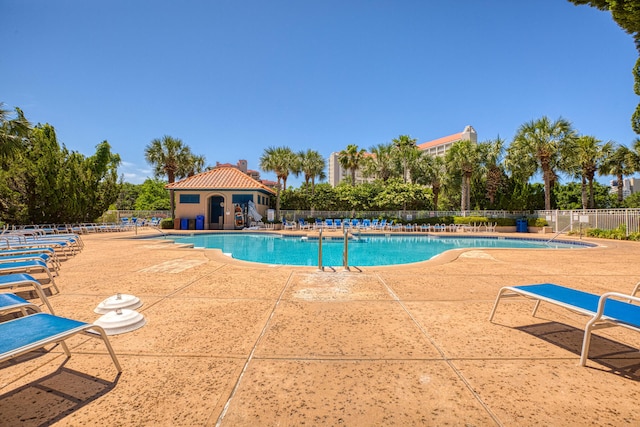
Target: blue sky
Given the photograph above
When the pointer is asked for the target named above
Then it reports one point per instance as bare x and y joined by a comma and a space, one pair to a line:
231, 78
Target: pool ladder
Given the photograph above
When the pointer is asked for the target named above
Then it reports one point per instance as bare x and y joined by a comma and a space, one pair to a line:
345, 252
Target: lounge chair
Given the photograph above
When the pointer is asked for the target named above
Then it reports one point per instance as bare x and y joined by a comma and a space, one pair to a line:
27, 267
329, 224
490, 227
304, 225
395, 226
28, 333
604, 311
12, 302
18, 280
44, 257
337, 223
288, 225
319, 224
410, 227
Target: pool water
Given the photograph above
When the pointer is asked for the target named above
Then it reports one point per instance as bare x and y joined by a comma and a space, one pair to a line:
365, 250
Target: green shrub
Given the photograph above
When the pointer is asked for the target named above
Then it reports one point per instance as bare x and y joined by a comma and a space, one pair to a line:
466, 220
537, 222
108, 218
617, 233
505, 222
166, 224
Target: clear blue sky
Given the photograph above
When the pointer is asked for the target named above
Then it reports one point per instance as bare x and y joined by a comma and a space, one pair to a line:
231, 78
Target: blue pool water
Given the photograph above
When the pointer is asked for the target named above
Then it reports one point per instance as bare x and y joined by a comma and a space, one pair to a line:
366, 250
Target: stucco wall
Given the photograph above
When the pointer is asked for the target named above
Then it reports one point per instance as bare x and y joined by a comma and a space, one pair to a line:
191, 210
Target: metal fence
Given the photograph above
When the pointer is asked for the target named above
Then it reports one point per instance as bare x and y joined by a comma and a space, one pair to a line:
115, 215
293, 215
604, 219
560, 221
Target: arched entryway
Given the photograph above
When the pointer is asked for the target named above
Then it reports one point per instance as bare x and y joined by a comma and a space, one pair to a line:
216, 213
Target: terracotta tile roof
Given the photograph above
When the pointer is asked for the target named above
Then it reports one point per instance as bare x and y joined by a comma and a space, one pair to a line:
220, 178
439, 141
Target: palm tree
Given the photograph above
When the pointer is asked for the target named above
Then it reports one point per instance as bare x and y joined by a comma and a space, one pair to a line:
350, 159
491, 153
540, 145
171, 158
379, 163
464, 157
312, 165
406, 152
619, 163
12, 133
430, 170
280, 160
635, 155
193, 166
587, 158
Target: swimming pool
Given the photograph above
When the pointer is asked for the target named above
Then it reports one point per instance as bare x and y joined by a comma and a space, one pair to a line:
364, 250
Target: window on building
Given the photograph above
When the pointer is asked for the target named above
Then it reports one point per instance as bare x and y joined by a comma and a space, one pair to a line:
190, 198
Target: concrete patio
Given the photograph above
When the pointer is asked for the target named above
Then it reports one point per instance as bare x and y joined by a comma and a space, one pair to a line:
233, 343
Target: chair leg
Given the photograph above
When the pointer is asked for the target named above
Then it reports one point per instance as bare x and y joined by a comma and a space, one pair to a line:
586, 342
495, 305
105, 339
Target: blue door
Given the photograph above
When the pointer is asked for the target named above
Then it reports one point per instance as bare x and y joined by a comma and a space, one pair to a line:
216, 213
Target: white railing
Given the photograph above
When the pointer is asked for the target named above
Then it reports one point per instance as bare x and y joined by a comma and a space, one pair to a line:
567, 220
604, 219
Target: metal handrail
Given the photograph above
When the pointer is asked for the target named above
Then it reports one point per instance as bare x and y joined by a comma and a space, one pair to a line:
557, 234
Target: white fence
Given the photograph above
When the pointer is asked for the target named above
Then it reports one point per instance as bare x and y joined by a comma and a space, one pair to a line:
604, 219
560, 221
118, 215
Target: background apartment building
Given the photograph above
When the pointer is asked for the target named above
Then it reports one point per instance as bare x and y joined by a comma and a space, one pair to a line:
436, 147
629, 187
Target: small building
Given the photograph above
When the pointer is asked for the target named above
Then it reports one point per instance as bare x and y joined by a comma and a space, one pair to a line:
220, 198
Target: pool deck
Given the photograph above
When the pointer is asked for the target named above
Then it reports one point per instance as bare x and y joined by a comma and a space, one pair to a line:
233, 343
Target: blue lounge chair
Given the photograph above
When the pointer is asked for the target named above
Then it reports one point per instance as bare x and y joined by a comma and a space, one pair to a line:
604, 311
27, 267
337, 223
304, 225
12, 302
329, 223
18, 280
319, 224
28, 333
288, 225
410, 227
44, 257
382, 225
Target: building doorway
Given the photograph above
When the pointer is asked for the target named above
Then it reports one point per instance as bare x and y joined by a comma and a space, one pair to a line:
216, 213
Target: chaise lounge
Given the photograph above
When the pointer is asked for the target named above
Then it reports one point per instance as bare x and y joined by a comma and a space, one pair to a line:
606, 310
35, 331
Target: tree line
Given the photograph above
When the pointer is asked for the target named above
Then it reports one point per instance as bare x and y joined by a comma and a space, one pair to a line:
41, 181
487, 175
